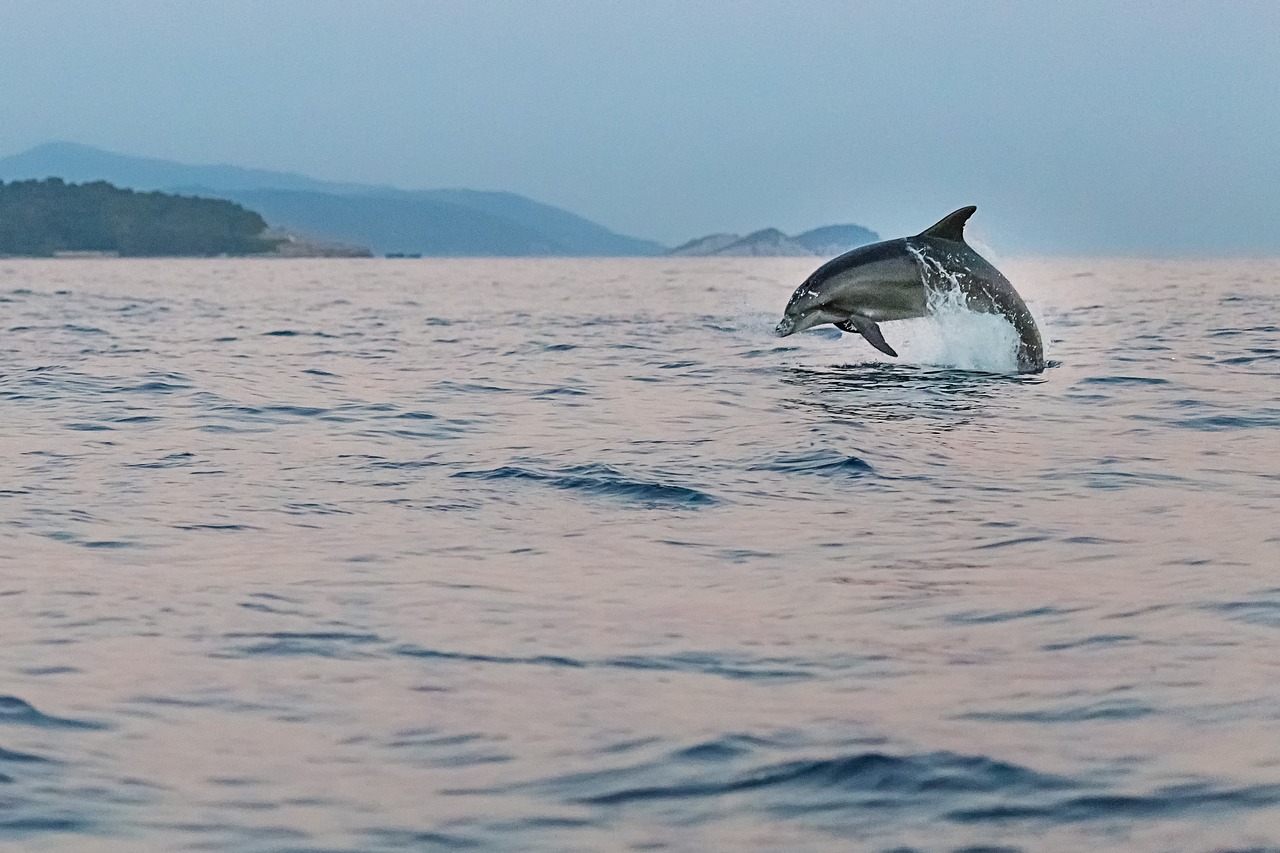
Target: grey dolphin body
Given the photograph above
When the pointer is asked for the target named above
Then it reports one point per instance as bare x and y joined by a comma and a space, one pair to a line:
893, 280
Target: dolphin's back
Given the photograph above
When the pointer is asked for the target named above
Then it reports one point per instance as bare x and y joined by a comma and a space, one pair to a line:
875, 253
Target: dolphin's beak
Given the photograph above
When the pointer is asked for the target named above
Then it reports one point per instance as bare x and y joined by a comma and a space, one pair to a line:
785, 327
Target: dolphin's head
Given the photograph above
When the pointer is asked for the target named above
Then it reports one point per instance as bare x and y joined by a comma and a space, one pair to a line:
805, 310
801, 320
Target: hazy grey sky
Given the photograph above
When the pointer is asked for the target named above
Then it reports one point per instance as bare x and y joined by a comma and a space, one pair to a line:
1099, 126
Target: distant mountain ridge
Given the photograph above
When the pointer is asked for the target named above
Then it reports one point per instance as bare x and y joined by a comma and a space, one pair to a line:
76, 163
449, 222
835, 240
701, 247
827, 241
441, 223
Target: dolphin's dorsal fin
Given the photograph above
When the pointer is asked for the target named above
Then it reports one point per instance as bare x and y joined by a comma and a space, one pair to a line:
951, 226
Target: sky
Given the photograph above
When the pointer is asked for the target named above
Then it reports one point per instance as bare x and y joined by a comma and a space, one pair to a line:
1117, 127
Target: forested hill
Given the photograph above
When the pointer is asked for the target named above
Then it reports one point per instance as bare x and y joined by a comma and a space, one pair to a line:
42, 218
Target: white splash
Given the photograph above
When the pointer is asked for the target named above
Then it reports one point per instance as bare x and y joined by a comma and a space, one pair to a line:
952, 335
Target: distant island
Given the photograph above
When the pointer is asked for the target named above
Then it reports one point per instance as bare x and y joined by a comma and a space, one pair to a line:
828, 241
53, 218
310, 218
50, 217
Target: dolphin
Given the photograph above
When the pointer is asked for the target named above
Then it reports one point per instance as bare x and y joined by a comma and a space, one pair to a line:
893, 280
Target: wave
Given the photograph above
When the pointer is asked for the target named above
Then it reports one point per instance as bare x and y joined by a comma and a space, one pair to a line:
600, 481
19, 712
874, 787
731, 666
934, 774
826, 463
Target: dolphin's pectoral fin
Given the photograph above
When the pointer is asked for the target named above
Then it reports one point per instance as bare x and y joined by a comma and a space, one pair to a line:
868, 328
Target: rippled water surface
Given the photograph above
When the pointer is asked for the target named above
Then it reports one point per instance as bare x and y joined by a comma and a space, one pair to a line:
576, 556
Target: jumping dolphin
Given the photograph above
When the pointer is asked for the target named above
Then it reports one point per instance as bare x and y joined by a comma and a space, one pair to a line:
893, 281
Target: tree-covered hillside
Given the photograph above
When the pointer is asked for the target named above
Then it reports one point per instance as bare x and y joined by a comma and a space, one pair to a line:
42, 218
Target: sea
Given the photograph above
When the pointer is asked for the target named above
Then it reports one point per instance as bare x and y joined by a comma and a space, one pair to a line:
326, 556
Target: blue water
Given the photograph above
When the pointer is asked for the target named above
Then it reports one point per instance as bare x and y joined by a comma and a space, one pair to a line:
575, 556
